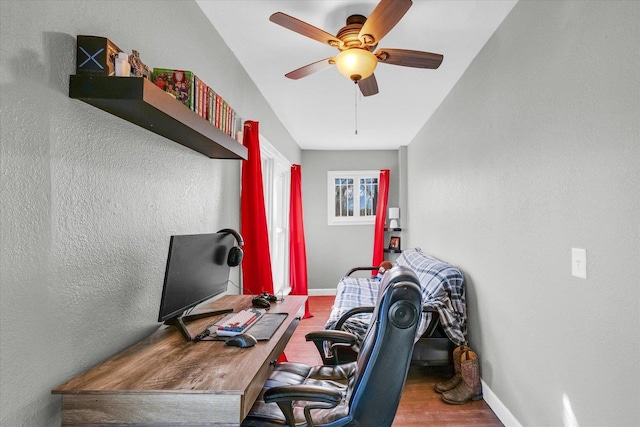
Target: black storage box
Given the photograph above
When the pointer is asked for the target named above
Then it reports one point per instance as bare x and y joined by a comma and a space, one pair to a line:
96, 56
432, 352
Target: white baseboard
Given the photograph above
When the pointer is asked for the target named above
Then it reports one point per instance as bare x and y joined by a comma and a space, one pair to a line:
498, 408
321, 292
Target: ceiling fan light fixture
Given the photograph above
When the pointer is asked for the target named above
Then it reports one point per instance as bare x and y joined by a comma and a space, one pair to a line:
356, 64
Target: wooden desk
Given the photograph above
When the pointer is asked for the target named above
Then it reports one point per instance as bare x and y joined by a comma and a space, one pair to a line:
165, 380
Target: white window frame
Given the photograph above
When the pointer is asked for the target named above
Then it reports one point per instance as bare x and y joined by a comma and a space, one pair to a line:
356, 219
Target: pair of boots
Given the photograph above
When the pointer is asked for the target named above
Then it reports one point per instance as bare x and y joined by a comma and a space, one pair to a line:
465, 384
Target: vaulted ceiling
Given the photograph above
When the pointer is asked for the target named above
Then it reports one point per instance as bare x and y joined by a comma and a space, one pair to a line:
323, 111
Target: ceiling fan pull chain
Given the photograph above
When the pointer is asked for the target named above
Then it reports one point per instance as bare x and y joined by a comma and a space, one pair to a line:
356, 105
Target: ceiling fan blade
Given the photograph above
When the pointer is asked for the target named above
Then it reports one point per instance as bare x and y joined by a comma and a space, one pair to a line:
383, 18
314, 67
409, 58
305, 29
368, 86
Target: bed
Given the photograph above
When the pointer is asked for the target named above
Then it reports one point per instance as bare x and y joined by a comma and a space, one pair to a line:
444, 320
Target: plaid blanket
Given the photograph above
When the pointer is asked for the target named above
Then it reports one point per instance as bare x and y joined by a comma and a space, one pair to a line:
442, 288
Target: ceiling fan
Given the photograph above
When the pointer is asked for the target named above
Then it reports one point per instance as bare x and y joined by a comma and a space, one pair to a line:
357, 41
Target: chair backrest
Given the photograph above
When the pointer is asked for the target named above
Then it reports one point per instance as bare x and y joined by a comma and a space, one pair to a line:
385, 354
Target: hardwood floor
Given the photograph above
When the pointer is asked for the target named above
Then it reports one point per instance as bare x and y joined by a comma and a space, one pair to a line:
420, 404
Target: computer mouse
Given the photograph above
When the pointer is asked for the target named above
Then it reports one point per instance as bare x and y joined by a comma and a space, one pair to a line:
242, 341
260, 302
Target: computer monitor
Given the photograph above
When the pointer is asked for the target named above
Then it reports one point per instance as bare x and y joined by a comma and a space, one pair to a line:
196, 271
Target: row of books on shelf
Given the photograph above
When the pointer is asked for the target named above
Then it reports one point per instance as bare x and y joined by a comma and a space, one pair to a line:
198, 96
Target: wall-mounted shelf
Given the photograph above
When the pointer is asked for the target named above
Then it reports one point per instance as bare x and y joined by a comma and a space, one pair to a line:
391, 230
141, 102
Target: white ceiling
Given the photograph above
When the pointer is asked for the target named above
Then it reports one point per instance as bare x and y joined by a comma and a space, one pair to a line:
320, 110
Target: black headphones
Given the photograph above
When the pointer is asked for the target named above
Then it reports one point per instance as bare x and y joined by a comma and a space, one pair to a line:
235, 253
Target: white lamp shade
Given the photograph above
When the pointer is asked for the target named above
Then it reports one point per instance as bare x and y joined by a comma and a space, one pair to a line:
356, 64
394, 215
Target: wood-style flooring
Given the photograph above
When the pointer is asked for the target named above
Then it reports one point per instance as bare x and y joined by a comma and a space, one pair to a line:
420, 404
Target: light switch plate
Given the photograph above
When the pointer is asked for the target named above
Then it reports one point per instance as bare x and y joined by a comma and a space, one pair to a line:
579, 263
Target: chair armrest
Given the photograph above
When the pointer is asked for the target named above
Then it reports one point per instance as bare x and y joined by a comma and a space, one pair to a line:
308, 393
338, 339
351, 312
354, 269
333, 336
284, 396
341, 352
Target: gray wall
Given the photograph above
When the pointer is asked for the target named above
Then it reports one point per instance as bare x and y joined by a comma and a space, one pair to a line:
88, 200
536, 151
332, 250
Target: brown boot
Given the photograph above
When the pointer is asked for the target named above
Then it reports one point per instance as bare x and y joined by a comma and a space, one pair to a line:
452, 382
469, 388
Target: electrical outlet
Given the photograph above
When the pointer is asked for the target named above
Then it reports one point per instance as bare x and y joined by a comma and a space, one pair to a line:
579, 263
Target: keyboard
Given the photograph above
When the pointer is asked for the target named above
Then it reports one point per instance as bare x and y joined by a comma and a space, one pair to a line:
239, 322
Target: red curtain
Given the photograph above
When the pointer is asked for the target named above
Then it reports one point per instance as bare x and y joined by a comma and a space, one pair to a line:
256, 264
381, 217
297, 248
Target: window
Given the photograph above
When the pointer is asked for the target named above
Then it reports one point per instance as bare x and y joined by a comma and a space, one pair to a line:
352, 197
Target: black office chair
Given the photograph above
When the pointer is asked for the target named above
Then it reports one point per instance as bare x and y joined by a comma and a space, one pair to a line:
361, 393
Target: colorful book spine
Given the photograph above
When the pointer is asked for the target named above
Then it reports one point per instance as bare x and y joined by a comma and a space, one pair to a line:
234, 124
218, 111
223, 122
196, 88
229, 116
203, 98
199, 104
210, 111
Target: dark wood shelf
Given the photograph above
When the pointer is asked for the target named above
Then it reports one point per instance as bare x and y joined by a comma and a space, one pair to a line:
393, 251
139, 101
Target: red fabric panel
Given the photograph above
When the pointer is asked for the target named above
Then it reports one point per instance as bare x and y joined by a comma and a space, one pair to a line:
297, 247
381, 217
257, 276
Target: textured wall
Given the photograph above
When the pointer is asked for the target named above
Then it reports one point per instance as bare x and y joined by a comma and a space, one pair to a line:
89, 201
536, 151
332, 250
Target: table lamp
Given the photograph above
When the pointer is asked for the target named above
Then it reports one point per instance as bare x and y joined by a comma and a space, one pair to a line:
394, 215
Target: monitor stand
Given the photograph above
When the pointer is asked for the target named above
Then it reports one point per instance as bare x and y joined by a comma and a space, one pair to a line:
178, 322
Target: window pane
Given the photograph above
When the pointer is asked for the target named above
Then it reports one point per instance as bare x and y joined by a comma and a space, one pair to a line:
344, 197
368, 196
